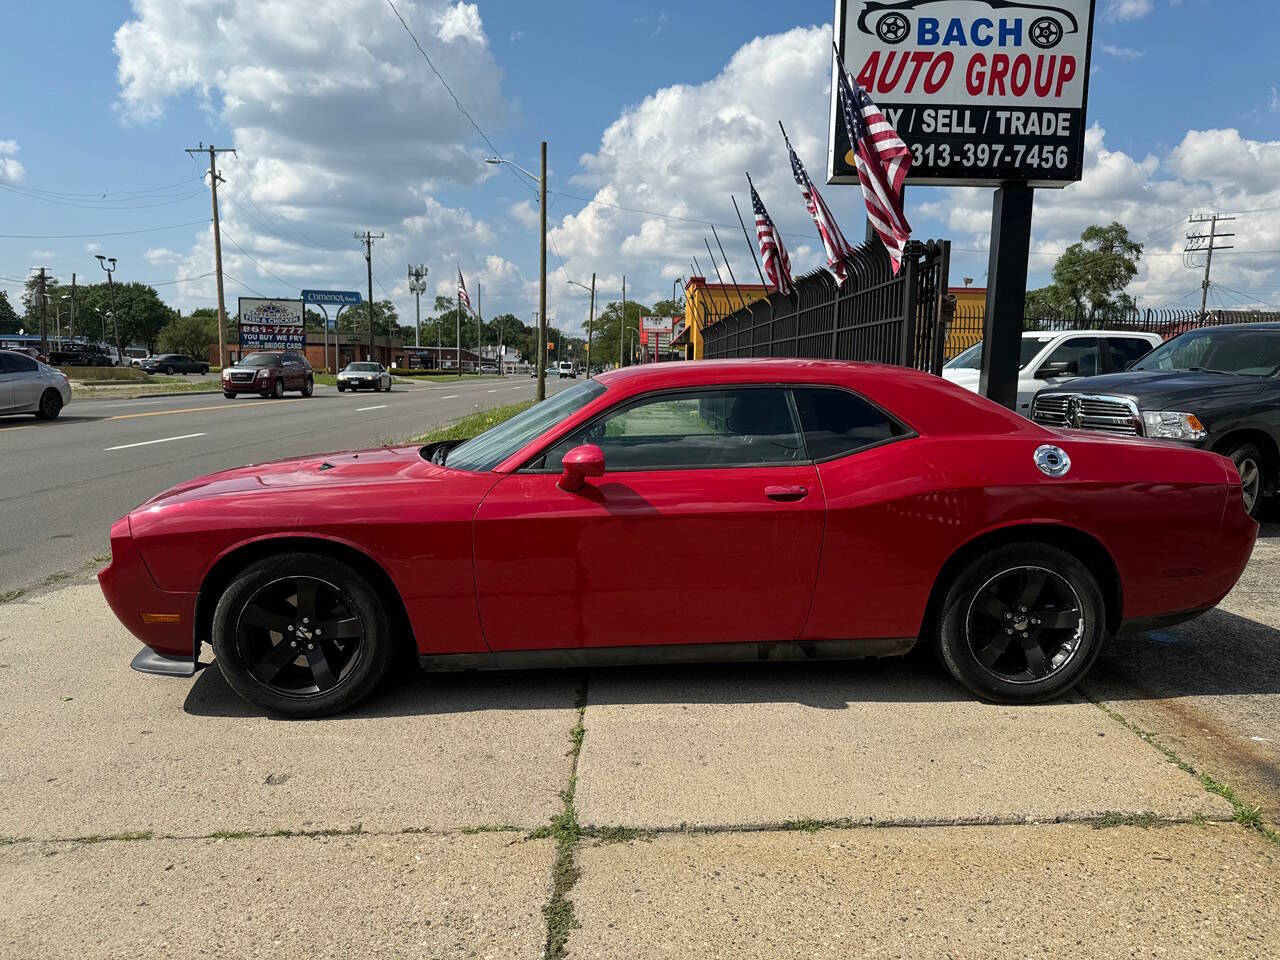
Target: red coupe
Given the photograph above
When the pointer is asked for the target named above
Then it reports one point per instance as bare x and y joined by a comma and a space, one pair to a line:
715, 510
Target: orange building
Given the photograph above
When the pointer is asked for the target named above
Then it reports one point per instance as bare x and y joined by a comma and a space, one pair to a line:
705, 303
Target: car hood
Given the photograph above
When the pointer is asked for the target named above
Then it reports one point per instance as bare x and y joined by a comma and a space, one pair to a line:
235, 369
963, 377
349, 468
1158, 389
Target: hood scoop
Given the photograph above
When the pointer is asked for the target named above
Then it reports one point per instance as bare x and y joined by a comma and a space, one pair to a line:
325, 466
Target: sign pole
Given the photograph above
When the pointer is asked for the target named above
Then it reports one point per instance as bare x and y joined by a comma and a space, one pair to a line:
1006, 292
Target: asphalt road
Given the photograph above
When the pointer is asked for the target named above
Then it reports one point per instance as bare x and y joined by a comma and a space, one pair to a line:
63, 483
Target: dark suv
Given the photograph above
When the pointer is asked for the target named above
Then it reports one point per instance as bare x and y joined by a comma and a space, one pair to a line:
1217, 388
269, 373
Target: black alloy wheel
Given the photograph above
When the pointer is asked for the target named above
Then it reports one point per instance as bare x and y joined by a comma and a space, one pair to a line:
169, 370
1045, 32
301, 635
308, 387
277, 390
1252, 466
50, 405
1022, 624
204, 370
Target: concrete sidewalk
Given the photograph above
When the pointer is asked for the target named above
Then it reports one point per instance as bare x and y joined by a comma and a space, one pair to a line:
768, 810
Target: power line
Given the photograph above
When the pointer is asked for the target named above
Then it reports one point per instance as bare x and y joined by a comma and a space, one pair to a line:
103, 194
94, 236
259, 264
245, 285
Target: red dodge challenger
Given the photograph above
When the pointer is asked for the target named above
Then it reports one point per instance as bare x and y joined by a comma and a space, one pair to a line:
719, 510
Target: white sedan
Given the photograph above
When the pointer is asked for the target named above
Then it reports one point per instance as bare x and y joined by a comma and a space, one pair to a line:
364, 375
29, 386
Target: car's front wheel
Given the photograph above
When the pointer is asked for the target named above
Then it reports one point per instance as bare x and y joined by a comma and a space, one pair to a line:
50, 405
1022, 623
302, 635
277, 389
168, 371
1252, 467
229, 394
309, 387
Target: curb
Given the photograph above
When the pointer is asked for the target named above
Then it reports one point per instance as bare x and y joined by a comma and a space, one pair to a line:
149, 396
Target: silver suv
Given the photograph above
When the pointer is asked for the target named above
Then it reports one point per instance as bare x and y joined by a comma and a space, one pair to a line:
29, 386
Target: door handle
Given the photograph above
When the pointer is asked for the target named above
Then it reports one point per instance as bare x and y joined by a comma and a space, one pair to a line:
786, 494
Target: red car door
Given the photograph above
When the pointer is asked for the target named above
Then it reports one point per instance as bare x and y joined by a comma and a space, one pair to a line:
706, 528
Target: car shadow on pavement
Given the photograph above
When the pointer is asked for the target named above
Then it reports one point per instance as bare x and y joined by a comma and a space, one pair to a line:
9, 423
828, 685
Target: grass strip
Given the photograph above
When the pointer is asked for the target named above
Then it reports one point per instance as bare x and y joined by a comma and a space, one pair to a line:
472, 424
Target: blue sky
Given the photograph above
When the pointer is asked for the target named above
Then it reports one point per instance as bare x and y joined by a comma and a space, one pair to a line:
341, 126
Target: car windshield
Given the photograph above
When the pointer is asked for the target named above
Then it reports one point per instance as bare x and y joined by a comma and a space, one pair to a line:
260, 360
494, 445
1242, 352
364, 367
971, 359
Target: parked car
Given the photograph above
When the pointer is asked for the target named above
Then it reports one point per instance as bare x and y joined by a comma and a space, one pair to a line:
823, 508
90, 357
565, 368
364, 374
29, 386
269, 373
171, 363
31, 352
1051, 358
1216, 388
139, 361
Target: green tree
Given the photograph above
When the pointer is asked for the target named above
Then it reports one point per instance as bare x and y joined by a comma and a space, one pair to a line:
1092, 274
609, 326
190, 335
385, 320
140, 314
9, 322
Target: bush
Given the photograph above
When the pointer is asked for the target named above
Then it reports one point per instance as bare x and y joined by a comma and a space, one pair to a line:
189, 336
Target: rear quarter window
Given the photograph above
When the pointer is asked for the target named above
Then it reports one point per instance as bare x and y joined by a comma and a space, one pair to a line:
837, 423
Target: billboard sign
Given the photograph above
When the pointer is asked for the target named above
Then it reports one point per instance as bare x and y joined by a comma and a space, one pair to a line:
982, 91
339, 297
656, 324
271, 325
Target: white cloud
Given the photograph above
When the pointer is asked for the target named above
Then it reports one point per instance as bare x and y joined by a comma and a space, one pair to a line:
1125, 53
1127, 9
525, 212
10, 168
1274, 106
338, 123
93, 247
161, 255
516, 36
41, 254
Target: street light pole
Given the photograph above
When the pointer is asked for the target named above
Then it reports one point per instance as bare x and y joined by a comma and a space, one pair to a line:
111, 290
622, 326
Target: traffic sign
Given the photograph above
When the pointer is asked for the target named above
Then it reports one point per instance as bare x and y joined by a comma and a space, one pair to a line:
340, 297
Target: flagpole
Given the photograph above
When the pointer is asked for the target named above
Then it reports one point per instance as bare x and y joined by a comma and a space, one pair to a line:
747, 237
479, 325
728, 266
457, 342
716, 267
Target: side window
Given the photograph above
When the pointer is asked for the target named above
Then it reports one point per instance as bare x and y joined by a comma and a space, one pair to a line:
1126, 350
1081, 353
708, 428
837, 422
16, 363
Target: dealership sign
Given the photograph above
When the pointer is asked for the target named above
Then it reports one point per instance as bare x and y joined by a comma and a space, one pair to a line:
982, 91
271, 324
656, 324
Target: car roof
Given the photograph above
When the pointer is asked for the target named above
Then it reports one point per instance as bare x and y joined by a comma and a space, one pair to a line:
1092, 333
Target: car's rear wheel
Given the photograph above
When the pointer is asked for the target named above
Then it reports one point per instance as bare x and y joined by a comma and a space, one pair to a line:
1022, 624
302, 635
277, 390
309, 387
169, 370
50, 405
1252, 467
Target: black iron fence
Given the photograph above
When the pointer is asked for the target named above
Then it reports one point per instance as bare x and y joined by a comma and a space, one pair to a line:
875, 315
965, 329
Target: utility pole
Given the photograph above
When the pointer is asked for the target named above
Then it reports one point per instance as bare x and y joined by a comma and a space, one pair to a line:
479, 326
217, 245
367, 239
44, 336
622, 327
591, 316
418, 286
1196, 244
103, 260
72, 331
541, 393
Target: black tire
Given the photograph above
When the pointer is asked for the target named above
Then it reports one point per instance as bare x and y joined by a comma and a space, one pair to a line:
1252, 467
309, 387
389, 386
50, 405
277, 389
169, 370
341, 388
204, 371
377, 387
991, 639
261, 611
228, 394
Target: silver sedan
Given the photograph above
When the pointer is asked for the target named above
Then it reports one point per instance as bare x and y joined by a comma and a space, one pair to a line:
29, 386
364, 375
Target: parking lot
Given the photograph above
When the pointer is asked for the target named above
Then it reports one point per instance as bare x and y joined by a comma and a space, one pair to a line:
777, 810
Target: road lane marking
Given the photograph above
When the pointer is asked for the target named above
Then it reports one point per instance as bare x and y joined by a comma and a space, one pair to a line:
452, 396
381, 406
494, 390
210, 408
147, 443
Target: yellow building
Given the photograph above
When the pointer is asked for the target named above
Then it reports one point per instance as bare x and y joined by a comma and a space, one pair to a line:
705, 303
966, 325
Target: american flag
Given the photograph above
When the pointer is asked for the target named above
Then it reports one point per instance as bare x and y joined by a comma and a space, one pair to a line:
777, 265
882, 160
833, 240
464, 300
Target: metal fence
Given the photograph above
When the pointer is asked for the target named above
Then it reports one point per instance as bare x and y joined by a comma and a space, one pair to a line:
875, 315
966, 327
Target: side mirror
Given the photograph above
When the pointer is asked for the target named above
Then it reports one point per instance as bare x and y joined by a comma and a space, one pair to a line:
580, 463
1050, 370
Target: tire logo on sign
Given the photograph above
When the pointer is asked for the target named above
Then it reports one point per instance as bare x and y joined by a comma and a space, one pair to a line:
1045, 31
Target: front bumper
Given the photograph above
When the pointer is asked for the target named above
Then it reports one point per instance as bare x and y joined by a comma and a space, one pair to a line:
353, 384
256, 385
163, 620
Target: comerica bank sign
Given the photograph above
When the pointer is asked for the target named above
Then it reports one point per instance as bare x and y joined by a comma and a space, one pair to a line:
982, 91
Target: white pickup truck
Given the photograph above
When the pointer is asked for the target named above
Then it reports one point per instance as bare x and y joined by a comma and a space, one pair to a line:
1050, 357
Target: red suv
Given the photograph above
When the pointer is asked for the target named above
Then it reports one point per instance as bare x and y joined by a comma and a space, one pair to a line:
269, 373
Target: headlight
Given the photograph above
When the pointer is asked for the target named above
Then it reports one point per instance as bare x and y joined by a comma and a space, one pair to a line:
263, 372
1172, 425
